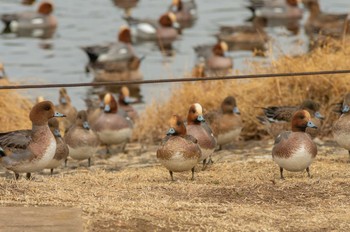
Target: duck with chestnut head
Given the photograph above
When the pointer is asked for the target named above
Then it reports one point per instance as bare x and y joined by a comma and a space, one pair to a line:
295, 150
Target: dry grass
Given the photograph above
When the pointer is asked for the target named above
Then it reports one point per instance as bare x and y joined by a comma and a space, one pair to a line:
255, 93
14, 110
240, 192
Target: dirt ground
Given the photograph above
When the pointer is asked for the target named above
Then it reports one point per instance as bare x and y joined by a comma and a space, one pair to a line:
241, 191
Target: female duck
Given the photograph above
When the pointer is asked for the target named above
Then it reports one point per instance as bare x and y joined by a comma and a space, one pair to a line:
65, 106
294, 150
197, 127
178, 152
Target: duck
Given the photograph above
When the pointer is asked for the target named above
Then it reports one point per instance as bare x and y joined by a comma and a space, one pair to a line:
277, 118
226, 123
341, 127
65, 106
124, 103
165, 30
41, 23
27, 2
178, 152
111, 127
27, 151
198, 128
185, 12
214, 58
117, 57
287, 10
127, 5
255, 4
245, 37
81, 140
327, 24
62, 150
295, 150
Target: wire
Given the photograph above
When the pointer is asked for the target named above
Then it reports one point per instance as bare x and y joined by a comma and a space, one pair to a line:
173, 80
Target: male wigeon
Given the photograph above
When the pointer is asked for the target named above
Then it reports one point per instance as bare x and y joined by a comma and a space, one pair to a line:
226, 123
287, 10
165, 30
61, 147
294, 150
119, 56
65, 106
35, 24
179, 151
277, 118
214, 58
30, 150
81, 140
185, 12
245, 37
341, 127
197, 127
325, 23
125, 101
112, 128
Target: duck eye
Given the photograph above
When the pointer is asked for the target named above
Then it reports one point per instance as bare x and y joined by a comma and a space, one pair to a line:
47, 108
178, 123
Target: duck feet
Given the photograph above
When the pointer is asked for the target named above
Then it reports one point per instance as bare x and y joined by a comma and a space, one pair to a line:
16, 176
192, 173
89, 161
171, 175
308, 172
28, 175
65, 163
51, 171
204, 164
281, 173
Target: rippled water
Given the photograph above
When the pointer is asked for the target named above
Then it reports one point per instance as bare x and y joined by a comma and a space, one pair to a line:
86, 22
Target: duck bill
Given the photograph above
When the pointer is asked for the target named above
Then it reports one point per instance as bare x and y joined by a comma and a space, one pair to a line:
86, 125
56, 133
200, 118
171, 131
236, 110
57, 114
319, 115
345, 109
107, 108
311, 125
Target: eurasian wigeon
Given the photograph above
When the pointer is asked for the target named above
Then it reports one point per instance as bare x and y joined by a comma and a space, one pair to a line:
112, 128
185, 12
341, 127
41, 23
287, 10
65, 106
277, 118
81, 140
294, 150
327, 24
30, 150
214, 58
61, 147
117, 57
226, 123
179, 151
245, 37
124, 103
165, 30
197, 127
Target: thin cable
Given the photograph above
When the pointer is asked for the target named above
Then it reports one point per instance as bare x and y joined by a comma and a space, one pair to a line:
173, 80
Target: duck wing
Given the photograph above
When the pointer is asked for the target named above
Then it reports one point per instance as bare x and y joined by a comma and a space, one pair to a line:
15, 139
279, 113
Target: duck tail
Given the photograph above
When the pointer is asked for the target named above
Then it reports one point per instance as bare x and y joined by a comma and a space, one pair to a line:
263, 120
7, 19
2, 153
252, 9
91, 54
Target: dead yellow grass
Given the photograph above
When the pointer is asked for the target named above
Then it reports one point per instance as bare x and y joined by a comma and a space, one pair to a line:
255, 93
14, 110
232, 195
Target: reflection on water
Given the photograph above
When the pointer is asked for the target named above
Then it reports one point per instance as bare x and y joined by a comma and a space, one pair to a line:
84, 22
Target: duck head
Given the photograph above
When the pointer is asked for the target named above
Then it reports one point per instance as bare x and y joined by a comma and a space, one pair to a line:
313, 108
110, 104
169, 20
124, 35
220, 49
42, 112
124, 96
195, 114
54, 127
313, 6
45, 8
82, 120
64, 98
229, 106
301, 120
177, 126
